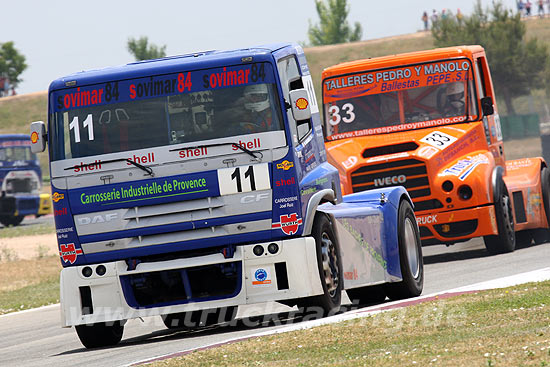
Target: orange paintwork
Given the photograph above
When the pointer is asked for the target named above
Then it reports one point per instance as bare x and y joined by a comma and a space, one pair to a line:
420, 142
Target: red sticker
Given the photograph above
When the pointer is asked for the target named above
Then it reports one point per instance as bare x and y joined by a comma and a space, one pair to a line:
68, 252
289, 223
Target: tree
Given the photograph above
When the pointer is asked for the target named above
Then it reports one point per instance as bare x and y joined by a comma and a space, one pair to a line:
142, 50
333, 27
12, 63
517, 65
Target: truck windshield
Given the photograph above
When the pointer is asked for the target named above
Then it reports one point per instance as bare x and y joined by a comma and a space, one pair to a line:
16, 153
391, 100
213, 103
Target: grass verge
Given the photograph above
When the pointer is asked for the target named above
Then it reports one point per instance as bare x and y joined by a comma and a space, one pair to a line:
28, 284
27, 230
493, 328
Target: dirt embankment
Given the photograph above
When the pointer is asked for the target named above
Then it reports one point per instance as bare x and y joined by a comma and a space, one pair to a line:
27, 247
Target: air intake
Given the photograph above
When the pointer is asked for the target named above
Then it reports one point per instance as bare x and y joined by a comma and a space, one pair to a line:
390, 149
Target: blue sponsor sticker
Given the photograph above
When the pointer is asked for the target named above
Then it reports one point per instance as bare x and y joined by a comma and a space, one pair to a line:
260, 275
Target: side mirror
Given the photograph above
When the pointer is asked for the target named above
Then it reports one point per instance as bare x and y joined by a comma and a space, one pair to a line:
299, 101
487, 106
38, 136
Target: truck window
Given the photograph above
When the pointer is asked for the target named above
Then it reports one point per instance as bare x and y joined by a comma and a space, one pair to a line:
12, 154
218, 103
398, 99
291, 80
480, 79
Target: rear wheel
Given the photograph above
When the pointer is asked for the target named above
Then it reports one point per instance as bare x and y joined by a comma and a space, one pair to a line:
330, 268
11, 220
505, 241
101, 334
410, 256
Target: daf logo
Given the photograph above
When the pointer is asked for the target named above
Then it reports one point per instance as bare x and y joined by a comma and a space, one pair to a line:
391, 180
97, 219
247, 199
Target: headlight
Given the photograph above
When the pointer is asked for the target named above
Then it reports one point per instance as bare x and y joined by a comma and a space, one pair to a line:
465, 192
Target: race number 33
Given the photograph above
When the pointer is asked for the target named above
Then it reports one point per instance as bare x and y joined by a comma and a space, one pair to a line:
243, 179
438, 139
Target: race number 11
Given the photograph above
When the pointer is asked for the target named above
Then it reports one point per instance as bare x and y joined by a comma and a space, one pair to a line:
243, 179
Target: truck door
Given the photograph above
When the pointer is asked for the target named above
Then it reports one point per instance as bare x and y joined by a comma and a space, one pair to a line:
493, 132
301, 131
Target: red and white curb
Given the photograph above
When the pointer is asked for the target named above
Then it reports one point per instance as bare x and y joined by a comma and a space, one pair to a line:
532, 276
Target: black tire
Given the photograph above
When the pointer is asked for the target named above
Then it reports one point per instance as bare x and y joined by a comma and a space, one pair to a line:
101, 334
11, 220
329, 264
410, 256
542, 235
367, 295
524, 238
197, 319
505, 241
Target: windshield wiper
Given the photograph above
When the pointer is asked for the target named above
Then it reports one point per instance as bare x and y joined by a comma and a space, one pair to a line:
149, 170
249, 152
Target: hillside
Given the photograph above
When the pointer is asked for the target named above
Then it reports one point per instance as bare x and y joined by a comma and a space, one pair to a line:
18, 111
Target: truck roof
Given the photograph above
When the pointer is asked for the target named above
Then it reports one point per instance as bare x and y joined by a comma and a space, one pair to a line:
14, 137
401, 59
170, 64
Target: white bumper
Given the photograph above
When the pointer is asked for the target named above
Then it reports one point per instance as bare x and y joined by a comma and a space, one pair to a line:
259, 282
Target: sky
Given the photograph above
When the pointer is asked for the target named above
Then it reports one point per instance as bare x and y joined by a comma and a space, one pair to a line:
60, 37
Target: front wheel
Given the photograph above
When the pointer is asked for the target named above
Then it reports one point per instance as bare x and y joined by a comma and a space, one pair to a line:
101, 334
410, 256
11, 220
329, 265
505, 241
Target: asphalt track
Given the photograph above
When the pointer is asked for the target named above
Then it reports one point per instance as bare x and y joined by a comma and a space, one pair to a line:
34, 338
31, 220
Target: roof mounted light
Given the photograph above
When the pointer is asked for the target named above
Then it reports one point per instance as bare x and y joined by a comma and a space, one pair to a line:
71, 83
247, 59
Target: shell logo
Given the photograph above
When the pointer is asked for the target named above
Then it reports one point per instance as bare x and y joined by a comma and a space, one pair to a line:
34, 137
285, 165
57, 196
302, 103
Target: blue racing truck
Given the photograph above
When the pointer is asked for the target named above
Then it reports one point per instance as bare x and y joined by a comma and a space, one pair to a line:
186, 186
20, 179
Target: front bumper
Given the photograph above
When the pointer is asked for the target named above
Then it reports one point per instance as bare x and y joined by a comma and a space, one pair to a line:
457, 225
19, 205
291, 272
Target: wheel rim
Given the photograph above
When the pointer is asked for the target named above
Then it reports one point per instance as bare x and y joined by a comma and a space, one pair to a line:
508, 218
411, 248
330, 264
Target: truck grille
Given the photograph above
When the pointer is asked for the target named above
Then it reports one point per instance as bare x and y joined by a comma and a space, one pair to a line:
410, 173
159, 224
19, 185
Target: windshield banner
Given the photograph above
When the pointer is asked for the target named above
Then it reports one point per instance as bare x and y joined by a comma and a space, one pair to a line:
396, 128
382, 81
161, 85
145, 192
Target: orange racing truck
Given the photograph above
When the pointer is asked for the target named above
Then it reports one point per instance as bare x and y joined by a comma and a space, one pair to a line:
428, 121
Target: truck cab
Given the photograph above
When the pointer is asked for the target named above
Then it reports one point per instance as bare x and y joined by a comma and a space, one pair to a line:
20, 179
428, 120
